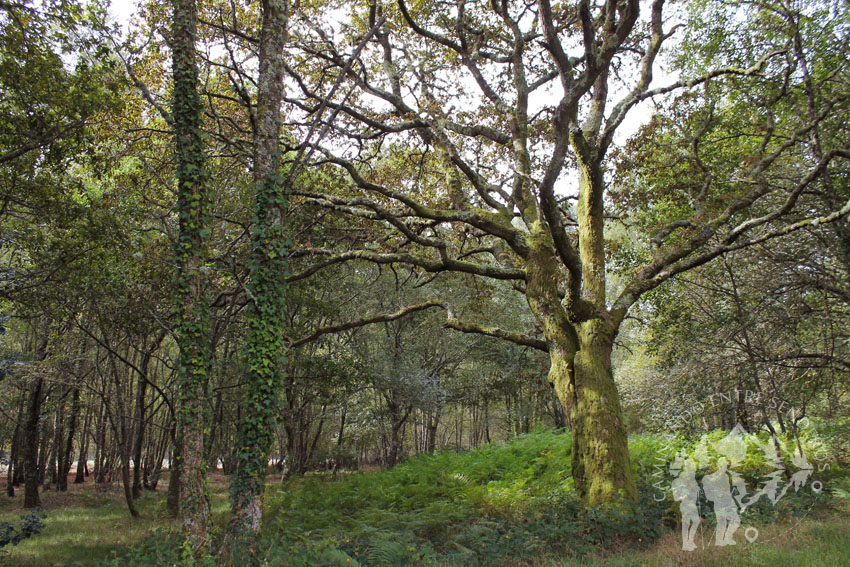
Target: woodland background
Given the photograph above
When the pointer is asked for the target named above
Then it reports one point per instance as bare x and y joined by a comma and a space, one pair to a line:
301, 239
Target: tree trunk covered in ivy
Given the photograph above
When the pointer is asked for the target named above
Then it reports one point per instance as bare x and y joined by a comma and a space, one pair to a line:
191, 306
266, 315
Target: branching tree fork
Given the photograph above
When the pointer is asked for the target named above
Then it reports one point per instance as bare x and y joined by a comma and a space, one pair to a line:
512, 108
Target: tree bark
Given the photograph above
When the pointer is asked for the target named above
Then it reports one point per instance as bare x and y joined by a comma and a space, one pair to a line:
433, 422
601, 466
57, 454
172, 499
266, 317
31, 443
139, 440
580, 372
193, 327
65, 462
14, 450
83, 457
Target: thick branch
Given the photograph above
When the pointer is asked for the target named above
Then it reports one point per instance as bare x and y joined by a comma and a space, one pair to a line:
427, 264
516, 338
383, 318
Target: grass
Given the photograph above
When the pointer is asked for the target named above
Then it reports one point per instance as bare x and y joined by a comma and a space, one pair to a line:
85, 525
820, 541
509, 504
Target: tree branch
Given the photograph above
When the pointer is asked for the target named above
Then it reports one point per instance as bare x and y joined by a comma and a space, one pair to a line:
383, 318
516, 338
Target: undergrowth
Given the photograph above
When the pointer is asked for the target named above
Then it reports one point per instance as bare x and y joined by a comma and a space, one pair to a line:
504, 503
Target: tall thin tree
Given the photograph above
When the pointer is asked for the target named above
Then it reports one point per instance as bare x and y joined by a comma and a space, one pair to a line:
266, 315
191, 305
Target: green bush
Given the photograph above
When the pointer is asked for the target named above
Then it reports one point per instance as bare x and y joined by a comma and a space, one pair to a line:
31, 525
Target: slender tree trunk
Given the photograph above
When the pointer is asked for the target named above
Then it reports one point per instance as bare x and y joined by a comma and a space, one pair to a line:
120, 419
213, 446
127, 482
83, 457
172, 499
45, 454
193, 316
156, 455
65, 462
341, 430
10, 470
431, 435
138, 442
30, 433
395, 444
101, 463
30, 444
316, 437
487, 420
266, 317
57, 454
14, 452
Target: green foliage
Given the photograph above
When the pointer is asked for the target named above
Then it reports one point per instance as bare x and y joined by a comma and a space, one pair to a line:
161, 549
513, 499
833, 435
505, 503
31, 525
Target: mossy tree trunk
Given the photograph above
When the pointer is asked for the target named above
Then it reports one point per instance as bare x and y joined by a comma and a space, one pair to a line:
580, 332
600, 457
580, 373
266, 310
191, 305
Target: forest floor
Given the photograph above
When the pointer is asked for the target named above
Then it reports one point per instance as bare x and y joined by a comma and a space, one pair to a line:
447, 510
89, 524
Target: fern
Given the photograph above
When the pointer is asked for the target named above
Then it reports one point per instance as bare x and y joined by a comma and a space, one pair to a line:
387, 552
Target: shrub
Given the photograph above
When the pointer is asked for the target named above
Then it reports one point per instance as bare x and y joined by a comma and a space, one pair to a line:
31, 525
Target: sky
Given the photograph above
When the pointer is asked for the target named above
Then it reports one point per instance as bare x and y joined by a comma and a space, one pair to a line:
122, 10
